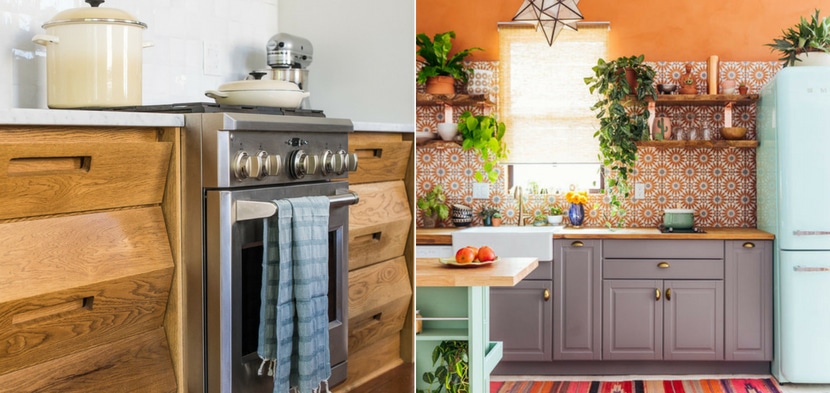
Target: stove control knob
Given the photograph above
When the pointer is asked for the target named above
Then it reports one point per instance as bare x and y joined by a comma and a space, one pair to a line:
340, 162
301, 164
259, 165
351, 162
273, 165
241, 166
313, 164
328, 163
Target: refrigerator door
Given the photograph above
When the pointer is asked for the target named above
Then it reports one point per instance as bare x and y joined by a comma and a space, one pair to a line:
804, 347
803, 130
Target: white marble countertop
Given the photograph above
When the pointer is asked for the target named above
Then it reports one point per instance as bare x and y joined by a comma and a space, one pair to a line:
25, 116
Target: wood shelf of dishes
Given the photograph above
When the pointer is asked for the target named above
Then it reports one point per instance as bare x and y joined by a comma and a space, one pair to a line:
706, 99
424, 99
745, 144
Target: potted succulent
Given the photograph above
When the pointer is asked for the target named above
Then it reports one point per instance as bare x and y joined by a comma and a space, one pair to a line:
743, 88
487, 214
807, 43
433, 207
556, 215
440, 70
484, 134
623, 114
497, 219
451, 372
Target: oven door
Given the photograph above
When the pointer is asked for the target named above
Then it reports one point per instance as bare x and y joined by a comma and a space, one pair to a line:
233, 277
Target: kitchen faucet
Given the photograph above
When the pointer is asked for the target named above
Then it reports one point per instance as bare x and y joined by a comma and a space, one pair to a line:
518, 195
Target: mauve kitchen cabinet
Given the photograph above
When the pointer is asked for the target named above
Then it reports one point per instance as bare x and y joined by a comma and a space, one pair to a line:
577, 299
748, 280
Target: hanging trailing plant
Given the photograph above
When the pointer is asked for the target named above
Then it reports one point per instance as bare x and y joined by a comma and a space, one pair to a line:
623, 114
484, 134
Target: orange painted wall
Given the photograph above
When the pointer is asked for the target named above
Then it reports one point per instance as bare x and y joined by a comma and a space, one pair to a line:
663, 30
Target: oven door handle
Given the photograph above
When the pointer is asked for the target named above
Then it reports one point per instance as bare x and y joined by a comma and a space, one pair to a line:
252, 210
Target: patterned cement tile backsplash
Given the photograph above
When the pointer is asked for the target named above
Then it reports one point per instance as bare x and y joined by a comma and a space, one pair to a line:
718, 183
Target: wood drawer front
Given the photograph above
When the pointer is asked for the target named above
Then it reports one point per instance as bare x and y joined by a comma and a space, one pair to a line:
379, 224
379, 297
380, 156
139, 363
51, 178
679, 249
649, 269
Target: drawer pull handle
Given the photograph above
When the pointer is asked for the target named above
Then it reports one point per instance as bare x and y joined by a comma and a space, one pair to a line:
668, 294
54, 310
546, 294
749, 245
29, 166
368, 153
657, 294
663, 265
372, 237
577, 244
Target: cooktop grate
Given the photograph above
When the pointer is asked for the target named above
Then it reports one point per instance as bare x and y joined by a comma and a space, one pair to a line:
663, 229
209, 107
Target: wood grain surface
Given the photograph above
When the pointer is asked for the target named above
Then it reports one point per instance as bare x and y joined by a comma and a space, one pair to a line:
379, 224
380, 357
380, 156
506, 272
139, 363
379, 297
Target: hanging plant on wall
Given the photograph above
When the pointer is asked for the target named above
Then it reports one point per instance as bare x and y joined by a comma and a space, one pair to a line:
484, 134
624, 86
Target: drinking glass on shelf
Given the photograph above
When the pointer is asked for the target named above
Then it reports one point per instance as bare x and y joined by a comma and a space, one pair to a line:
681, 134
694, 134
707, 134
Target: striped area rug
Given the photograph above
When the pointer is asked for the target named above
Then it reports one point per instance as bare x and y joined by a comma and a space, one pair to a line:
639, 386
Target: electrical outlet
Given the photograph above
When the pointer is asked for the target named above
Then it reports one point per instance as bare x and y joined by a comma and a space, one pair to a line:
212, 55
481, 190
639, 191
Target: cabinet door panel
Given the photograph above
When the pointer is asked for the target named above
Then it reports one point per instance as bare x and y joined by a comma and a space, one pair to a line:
748, 300
632, 320
577, 300
521, 318
694, 320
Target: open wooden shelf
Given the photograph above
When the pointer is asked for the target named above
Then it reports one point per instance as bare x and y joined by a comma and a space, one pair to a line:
705, 99
424, 99
747, 144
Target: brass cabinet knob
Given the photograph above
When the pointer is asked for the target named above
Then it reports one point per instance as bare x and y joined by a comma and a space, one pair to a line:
546, 294
668, 294
663, 265
657, 294
749, 245
577, 244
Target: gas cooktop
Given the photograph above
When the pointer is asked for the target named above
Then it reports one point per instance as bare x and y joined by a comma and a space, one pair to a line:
209, 107
663, 229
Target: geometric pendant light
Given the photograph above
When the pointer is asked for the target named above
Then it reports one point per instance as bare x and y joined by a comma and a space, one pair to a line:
550, 15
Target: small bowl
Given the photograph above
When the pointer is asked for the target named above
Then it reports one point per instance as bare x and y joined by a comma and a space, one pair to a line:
447, 131
666, 88
733, 133
555, 220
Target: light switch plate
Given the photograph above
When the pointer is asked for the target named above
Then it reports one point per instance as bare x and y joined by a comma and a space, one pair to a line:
481, 190
639, 191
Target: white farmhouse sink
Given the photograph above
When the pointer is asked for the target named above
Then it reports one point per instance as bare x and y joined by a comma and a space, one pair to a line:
509, 241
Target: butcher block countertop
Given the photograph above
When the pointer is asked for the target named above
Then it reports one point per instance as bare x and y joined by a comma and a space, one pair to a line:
506, 272
443, 236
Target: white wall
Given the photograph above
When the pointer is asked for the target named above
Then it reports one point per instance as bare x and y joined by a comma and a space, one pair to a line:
364, 50
364, 56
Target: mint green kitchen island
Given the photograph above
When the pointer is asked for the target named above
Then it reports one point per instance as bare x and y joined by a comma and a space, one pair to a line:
454, 304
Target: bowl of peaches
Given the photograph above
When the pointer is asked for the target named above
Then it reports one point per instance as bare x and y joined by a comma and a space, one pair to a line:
472, 257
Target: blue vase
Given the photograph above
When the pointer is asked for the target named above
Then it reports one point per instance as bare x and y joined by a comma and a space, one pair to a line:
576, 214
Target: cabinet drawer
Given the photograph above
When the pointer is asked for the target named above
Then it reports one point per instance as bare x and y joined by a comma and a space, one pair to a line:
54, 172
672, 269
380, 156
678, 249
379, 297
379, 224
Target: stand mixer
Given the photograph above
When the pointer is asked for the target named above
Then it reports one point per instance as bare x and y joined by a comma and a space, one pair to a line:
288, 56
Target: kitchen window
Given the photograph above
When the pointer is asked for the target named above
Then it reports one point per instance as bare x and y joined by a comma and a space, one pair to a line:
546, 105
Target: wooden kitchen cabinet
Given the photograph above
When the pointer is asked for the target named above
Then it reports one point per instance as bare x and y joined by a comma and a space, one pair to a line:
577, 299
748, 307
659, 306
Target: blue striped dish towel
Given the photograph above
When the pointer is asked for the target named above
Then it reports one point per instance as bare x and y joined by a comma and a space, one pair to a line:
293, 332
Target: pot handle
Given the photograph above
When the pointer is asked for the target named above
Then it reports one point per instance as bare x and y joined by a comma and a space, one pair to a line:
148, 44
306, 94
216, 94
44, 39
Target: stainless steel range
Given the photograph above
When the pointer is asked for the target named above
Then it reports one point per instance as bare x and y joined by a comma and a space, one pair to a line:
235, 165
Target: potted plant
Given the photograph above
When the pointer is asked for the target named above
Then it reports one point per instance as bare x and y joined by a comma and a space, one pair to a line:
806, 42
484, 134
742, 88
487, 215
556, 215
451, 369
432, 204
497, 219
540, 219
440, 70
623, 114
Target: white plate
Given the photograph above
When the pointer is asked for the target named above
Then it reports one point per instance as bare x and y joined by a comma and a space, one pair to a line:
452, 262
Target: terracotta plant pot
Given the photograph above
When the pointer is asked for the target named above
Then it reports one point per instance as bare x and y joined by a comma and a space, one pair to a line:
496, 221
631, 78
661, 126
442, 85
743, 90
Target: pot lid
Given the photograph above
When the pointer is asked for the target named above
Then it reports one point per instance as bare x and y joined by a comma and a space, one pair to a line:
689, 211
94, 14
259, 84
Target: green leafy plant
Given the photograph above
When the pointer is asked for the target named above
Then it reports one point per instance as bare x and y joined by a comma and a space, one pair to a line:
488, 211
812, 36
436, 59
433, 203
556, 211
623, 115
497, 215
451, 369
485, 135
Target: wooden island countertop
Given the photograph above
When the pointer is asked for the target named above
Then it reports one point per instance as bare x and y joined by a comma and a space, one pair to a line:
506, 272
